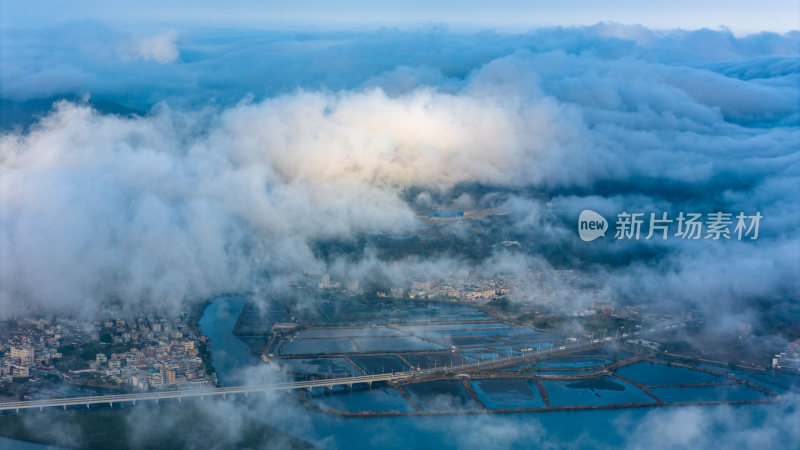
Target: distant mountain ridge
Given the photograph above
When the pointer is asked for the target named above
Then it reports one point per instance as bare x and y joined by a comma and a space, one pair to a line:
21, 115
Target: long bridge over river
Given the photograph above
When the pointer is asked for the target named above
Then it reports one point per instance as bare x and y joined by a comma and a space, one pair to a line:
289, 386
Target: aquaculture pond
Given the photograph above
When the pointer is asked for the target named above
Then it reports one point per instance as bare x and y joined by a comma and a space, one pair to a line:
593, 391
377, 399
380, 364
449, 326
395, 344
453, 431
319, 346
320, 366
507, 393
474, 357
778, 381
612, 353
571, 363
440, 395
348, 332
651, 374
720, 392
481, 332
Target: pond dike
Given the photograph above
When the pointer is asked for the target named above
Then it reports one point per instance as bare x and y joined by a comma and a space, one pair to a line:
596, 371
733, 379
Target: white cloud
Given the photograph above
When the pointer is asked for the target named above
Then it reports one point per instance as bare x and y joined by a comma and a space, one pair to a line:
161, 48
190, 200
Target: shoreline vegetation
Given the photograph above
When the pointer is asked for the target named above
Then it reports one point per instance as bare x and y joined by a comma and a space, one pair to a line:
203, 346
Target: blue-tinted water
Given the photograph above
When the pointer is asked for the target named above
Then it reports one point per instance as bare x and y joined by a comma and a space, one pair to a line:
453, 326
780, 381
376, 399
572, 362
348, 332
473, 357
612, 353
729, 392
320, 366
513, 431
11, 444
319, 346
229, 354
481, 332
593, 391
394, 344
501, 393
585, 429
440, 395
380, 364
577, 429
659, 374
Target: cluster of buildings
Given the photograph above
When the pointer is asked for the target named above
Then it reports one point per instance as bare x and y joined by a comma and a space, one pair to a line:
789, 358
456, 288
18, 362
554, 292
142, 353
29, 344
163, 353
453, 288
459, 287
531, 288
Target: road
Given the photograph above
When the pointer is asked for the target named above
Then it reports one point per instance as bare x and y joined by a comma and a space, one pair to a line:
284, 386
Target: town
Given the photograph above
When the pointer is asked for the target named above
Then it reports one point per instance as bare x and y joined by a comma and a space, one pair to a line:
147, 352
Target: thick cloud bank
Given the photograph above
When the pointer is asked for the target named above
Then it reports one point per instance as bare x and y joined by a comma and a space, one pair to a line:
213, 189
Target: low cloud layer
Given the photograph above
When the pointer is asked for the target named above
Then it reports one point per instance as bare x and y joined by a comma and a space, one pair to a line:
256, 146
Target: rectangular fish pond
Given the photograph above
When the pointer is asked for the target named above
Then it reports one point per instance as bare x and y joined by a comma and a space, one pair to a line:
379, 398
593, 391
651, 374
508, 393
441, 395
721, 392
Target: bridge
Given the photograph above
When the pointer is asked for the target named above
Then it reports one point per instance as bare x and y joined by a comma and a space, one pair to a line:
288, 386
310, 384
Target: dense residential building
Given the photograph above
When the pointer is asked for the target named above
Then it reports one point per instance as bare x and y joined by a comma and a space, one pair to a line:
149, 352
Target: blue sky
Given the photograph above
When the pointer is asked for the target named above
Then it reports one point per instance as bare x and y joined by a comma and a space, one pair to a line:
741, 16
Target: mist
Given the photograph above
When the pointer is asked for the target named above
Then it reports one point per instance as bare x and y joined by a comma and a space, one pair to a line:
207, 193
